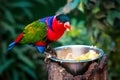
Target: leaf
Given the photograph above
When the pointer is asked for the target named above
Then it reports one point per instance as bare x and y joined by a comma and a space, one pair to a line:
4, 50
24, 59
71, 5
23, 76
6, 65
42, 1
29, 71
81, 6
9, 15
21, 4
9, 28
111, 16
74, 22
28, 13
51, 1
95, 10
85, 2
15, 74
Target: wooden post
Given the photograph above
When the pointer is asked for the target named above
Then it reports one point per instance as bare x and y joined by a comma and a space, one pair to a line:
96, 71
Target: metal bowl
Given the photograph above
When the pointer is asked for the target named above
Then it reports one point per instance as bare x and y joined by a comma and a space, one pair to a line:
75, 67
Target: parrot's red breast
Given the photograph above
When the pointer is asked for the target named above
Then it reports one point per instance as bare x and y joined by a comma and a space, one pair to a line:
57, 30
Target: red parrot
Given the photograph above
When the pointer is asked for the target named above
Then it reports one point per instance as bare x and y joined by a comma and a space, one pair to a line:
43, 31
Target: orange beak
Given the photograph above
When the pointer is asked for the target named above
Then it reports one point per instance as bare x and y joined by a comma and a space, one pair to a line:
67, 26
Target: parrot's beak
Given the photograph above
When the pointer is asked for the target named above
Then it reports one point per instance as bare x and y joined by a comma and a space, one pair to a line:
67, 26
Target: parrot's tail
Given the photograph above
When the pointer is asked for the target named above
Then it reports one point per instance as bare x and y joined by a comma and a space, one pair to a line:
11, 45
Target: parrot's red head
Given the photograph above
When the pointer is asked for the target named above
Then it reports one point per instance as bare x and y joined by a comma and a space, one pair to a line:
61, 22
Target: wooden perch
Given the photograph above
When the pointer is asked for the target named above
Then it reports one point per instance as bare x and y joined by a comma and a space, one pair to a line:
96, 71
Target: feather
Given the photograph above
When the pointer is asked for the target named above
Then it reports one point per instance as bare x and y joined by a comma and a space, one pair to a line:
34, 32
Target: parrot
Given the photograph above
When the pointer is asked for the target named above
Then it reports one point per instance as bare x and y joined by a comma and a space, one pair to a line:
43, 31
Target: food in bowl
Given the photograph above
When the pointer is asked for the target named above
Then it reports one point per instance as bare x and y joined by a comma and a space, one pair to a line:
91, 54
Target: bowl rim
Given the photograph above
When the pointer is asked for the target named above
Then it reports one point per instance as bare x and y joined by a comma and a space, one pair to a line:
76, 61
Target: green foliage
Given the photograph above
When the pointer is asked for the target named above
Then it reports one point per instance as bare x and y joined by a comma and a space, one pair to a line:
97, 23
6, 65
94, 22
18, 64
77, 35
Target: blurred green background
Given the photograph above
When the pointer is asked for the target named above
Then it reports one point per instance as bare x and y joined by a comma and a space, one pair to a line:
94, 22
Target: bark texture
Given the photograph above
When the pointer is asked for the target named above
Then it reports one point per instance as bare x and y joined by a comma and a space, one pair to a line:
96, 71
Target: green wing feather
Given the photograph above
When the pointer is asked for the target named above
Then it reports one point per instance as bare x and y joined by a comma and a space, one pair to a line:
34, 32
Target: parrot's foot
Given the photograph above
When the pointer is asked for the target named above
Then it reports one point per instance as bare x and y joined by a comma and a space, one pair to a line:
40, 48
11, 45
